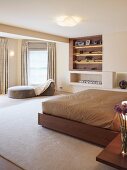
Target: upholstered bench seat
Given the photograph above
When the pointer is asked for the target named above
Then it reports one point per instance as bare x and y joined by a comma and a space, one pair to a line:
21, 92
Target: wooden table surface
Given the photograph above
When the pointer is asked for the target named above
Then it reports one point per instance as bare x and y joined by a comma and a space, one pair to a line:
112, 156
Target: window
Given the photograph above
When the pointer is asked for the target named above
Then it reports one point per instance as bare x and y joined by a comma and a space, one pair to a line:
37, 66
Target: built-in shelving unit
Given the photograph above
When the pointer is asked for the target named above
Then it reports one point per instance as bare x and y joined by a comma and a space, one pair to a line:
85, 61
85, 65
106, 80
86, 78
86, 53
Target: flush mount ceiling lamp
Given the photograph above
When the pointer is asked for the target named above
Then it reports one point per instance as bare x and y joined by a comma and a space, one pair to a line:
68, 21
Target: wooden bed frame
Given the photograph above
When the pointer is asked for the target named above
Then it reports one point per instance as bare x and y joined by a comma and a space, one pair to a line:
89, 133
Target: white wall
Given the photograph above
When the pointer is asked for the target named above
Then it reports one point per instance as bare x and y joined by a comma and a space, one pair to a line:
115, 52
62, 67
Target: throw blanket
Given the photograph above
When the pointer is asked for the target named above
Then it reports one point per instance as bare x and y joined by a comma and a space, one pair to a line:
40, 89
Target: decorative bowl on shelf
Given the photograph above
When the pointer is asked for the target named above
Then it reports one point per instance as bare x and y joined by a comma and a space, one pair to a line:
123, 84
79, 43
95, 42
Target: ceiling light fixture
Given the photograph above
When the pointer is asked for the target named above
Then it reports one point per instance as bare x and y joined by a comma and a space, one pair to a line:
68, 21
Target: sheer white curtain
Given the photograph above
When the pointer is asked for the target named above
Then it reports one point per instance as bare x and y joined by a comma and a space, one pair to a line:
3, 65
24, 62
52, 61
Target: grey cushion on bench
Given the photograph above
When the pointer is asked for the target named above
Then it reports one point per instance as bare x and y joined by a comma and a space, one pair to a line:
21, 92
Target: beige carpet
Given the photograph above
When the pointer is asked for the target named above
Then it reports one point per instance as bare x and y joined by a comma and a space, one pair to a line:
6, 101
32, 147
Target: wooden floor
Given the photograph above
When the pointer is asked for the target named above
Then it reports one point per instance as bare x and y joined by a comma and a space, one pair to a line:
6, 165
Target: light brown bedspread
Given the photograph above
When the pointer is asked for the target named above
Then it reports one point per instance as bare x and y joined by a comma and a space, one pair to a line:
93, 107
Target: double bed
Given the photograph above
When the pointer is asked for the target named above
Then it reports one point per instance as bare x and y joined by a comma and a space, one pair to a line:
88, 115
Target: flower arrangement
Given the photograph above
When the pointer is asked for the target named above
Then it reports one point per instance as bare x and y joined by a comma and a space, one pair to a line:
121, 109
122, 112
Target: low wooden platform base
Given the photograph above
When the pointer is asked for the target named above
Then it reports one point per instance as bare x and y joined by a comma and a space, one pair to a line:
96, 135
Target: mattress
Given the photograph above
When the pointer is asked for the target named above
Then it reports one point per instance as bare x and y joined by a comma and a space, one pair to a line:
93, 107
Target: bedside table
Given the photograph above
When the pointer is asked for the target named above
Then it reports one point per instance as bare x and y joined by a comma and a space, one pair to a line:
112, 156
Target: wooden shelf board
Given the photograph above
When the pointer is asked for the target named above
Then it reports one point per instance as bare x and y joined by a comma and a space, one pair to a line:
89, 46
89, 54
87, 62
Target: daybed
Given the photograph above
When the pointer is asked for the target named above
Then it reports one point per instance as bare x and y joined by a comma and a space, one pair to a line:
87, 115
21, 92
